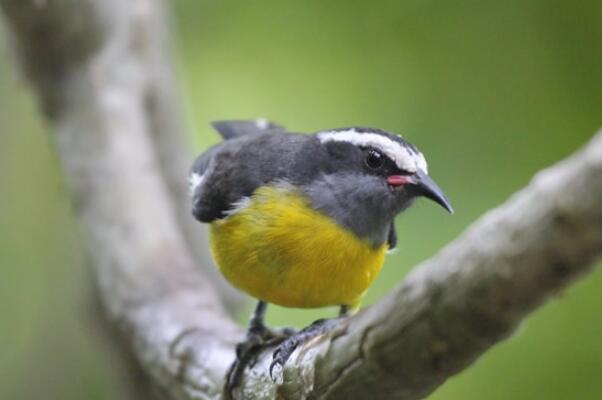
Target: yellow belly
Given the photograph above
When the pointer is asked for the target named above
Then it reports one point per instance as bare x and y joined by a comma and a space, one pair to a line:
281, 251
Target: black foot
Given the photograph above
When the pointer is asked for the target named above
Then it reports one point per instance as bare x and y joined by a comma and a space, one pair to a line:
288, 346
247, 352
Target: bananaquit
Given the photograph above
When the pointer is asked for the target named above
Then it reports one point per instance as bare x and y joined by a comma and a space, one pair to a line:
303, 220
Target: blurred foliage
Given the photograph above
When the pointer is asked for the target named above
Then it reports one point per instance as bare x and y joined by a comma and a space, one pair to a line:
490, 91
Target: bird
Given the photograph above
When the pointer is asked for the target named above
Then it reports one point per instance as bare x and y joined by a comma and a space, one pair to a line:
303, 220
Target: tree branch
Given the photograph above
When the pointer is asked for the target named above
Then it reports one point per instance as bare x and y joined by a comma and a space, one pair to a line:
96, 101
448, 311
163, 111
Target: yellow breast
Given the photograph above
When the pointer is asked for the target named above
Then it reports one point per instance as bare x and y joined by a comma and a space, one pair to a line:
278, 249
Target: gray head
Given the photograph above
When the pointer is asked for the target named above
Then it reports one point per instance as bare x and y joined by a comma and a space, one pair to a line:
369, 176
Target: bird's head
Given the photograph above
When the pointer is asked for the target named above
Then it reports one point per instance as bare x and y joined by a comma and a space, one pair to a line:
379, 170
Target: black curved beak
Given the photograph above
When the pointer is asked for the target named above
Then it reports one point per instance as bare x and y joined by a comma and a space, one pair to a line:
427, 187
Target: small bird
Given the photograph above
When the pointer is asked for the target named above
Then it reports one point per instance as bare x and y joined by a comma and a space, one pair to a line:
303, 220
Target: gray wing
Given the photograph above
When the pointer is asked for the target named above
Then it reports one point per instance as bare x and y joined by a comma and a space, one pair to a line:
200, 171
232, 170
392, 238
210, 198
234, 129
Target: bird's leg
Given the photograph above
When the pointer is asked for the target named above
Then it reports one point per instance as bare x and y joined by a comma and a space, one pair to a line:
317, 328
344, 311
247, 350
258, 336
258, 330
256, 325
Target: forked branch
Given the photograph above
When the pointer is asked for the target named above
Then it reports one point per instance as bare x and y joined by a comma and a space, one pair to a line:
93, 66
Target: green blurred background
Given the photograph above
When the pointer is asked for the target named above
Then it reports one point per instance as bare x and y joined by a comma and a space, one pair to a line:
490, 91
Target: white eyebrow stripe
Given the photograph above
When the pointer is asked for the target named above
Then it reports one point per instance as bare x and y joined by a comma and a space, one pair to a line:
402, 156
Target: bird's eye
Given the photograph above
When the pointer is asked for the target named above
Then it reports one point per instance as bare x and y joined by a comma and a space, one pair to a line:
374, 159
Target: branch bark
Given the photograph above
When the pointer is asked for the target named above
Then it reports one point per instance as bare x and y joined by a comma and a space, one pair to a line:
162, 104
88, 62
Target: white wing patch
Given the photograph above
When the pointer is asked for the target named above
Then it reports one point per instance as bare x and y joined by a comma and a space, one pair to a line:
262, 123
238, 206
403, 157
194, 181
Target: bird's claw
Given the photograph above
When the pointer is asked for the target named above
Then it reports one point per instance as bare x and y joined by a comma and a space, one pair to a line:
287, 339
287, 347
248, 351
283, 353
246, 354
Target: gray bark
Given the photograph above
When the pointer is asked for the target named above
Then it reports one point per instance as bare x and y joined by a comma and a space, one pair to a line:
163, 110
95, 67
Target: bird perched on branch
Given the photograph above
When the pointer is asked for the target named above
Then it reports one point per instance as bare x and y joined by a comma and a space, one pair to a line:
303, 220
